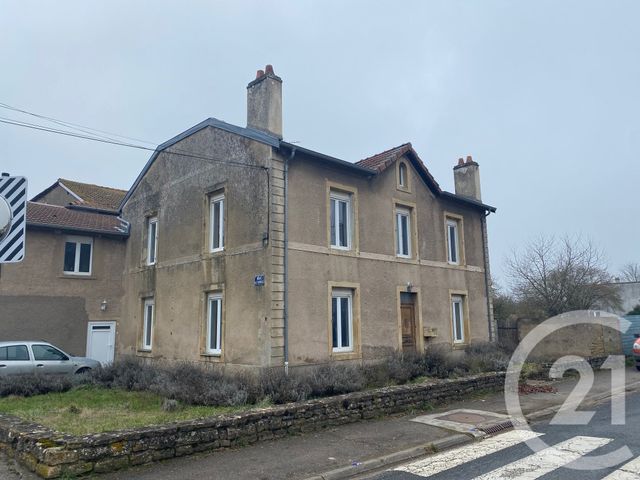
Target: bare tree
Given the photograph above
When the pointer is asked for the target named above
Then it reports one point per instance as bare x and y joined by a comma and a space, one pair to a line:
630, 272
555, 276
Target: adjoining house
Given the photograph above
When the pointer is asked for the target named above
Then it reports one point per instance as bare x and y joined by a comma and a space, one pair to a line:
246, 250
68, 289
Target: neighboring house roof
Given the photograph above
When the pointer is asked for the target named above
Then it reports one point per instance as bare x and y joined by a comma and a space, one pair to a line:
73, 219
89, 195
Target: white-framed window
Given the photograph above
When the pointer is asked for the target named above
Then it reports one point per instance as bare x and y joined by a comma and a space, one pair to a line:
152, 240
78, 255
214, 324
457, 318
403, 232
340, 220
147, 325
342, 319
453, 244
216, 222
402, 175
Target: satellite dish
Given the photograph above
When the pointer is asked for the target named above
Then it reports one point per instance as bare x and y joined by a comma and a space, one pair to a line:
5, 218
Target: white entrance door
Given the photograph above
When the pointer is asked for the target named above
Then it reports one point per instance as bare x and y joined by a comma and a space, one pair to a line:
101, 341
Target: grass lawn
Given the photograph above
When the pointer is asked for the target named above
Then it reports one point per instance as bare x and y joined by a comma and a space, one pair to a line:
93, 409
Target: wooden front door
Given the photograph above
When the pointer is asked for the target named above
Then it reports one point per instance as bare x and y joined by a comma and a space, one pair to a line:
408, 317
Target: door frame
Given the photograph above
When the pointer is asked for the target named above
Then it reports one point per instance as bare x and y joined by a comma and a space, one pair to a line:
110, 323
417, 310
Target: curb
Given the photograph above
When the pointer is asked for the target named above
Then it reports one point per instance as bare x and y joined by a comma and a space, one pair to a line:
592, 400
396, 457
445, 443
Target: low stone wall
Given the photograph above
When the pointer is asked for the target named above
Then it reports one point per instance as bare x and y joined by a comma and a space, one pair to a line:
51, 454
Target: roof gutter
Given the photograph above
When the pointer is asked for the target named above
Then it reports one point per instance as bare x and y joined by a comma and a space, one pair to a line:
329, 159
81, 231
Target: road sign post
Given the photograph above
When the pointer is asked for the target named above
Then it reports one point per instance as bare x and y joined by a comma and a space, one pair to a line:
13, 218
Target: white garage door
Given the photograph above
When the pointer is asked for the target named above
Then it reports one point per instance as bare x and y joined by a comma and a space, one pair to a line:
101, 341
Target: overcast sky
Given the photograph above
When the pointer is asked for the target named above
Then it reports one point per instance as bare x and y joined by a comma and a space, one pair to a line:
543, 94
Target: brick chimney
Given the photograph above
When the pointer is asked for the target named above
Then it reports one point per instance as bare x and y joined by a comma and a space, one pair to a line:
264, 102
466, 176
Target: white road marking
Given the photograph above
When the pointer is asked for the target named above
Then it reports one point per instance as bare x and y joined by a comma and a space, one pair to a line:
629, 471
453, 458
547, 460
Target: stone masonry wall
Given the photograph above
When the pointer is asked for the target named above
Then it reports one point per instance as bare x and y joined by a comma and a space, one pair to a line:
51, 454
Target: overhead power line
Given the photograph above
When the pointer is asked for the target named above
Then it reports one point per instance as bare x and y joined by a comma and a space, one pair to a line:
101, 138
75, 126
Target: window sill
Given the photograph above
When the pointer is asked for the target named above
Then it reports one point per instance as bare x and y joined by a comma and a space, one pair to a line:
216, 253
144, 353
460, 346
347, 252
407, 259
77, 276
346, 355
403, 189
212, 357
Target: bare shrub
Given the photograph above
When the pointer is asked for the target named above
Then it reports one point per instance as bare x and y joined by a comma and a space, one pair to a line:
30, 385
335, 379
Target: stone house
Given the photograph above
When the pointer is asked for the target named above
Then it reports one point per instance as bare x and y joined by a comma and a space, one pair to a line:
68, 288
246, 250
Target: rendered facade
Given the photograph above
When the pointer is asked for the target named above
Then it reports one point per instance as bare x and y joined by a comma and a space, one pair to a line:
244, 250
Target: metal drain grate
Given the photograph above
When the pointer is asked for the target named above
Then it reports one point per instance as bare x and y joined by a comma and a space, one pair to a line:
497, 427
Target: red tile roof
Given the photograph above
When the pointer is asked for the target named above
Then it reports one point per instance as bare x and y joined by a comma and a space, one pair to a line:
384, 160
74, 219
381, 161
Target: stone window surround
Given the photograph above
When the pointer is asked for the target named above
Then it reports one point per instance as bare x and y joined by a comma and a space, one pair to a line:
356, 352
402, 184
352, 192
464, 296
207, 292
150, 219
459, 219
410, 207
143, 346
218, 197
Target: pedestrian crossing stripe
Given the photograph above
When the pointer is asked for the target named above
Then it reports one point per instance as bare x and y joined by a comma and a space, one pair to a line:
14, 191
546, 460
459, 456
629, 471
530, 467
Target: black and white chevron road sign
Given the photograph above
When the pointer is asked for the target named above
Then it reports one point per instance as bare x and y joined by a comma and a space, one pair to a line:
13, 218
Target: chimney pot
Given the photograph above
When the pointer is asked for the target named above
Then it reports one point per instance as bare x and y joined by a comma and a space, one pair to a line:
259, 74
269, 70
469, 159
461, 161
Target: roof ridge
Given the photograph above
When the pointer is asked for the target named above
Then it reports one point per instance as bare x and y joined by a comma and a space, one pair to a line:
47, 204
404, 145
62, 180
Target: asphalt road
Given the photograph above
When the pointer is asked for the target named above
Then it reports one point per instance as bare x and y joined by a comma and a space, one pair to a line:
604, 438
